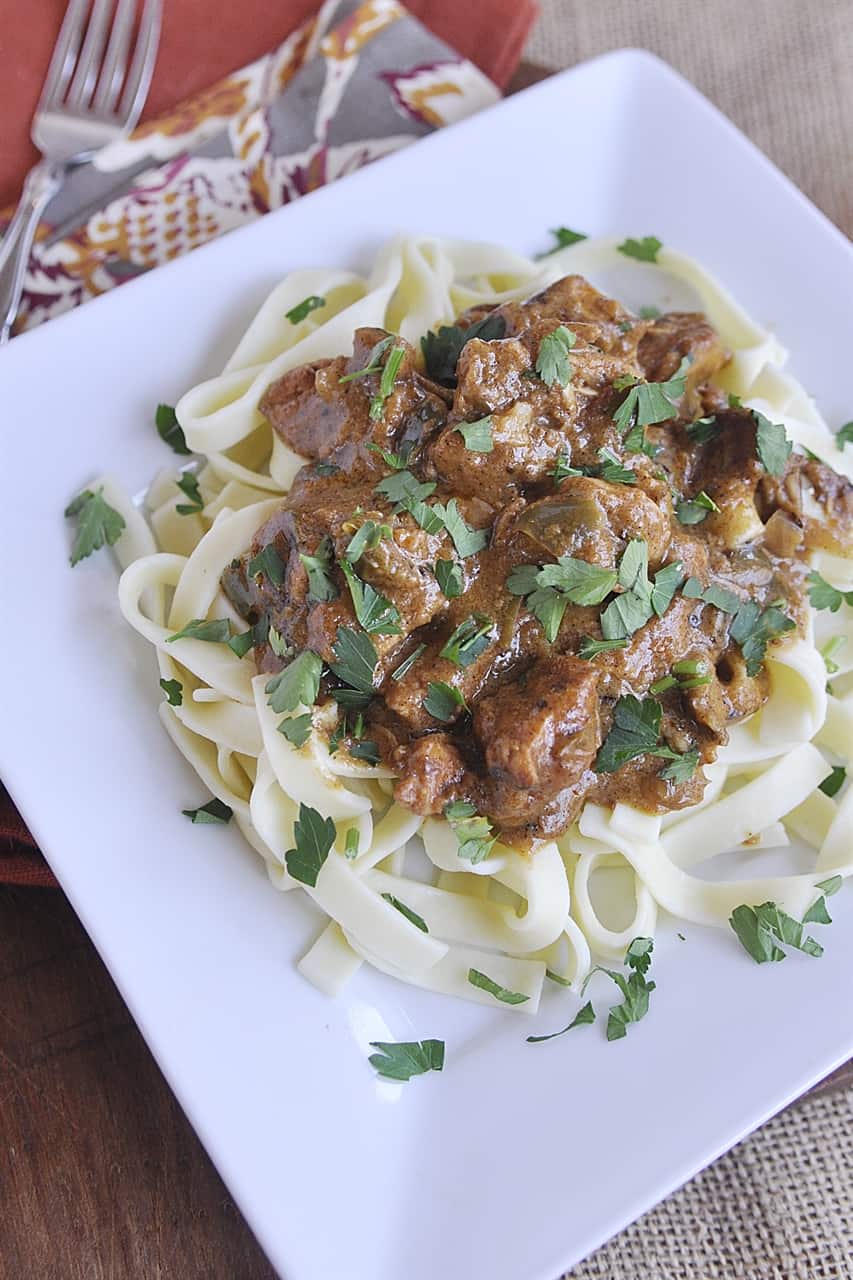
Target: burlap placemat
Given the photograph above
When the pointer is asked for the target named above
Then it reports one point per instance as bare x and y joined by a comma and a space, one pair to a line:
780, 1206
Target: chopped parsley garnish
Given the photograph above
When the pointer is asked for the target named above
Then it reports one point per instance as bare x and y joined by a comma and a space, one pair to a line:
351, 844
365, 539
98, 524
473, 833
317, 566
297, 729
477, 435
240, 645
449, 577
649, 313
407, 664
636, 441
174, 692
355, 660
695, 510
635, 989
442, 350
824, 596
412, 916
834, 781
552, 362
761, 929
682, 767
386, 382
771, 444
564, 236
443, 700
469, 640
269, 564
188, 484
640, 597
466, 540
365, 750
326, 468
485, 983
753, 629
703, 430
611, 469
304, 308
828, 651
550, 588
314, 836
719, 597
374, 611
645, 250
844, 435
591, 648
650, 402
297, 685
563, 469
373, 359
406, 1059
217, 631
402, 488
583, 1018
636, 732
214, 812
276, 642
169, 429
396, 461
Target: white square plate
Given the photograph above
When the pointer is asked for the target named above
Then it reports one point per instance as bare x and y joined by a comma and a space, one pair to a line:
515, 1162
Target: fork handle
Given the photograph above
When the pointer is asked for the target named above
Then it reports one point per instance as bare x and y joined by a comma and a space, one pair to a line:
41, 184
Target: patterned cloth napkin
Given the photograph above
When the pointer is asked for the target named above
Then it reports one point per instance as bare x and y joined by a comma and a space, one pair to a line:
354, 82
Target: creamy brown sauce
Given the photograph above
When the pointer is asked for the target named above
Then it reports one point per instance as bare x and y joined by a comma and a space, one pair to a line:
523, 748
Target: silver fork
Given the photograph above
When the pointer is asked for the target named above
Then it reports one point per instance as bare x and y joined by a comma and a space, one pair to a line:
90, 97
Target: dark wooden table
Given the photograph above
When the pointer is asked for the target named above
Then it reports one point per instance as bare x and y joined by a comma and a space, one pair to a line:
101, 1176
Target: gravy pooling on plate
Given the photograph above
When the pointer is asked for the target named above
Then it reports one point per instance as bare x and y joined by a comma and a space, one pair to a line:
545, 545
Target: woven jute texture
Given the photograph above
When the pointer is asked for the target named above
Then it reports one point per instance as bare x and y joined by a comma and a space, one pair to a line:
781, 69
780, 1206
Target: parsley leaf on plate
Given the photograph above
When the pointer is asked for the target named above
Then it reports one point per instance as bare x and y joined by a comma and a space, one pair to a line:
591, 648
473, 833
411, 916
297, 729
368, 536
314, 836
695, 510
217, 631
771, 443
174, 692
407, 663
469, 640
844, 435
583, 1018
477, 435
612, 470
550, 588
355, 660
753, 629
636, 442
682, 768
169, 429
211, 813
834, 781
442, 350
640, 598
563, 469
406, 1059
824, 596
188, 484
448, 574
268, 564
403, 489
564, 236
297, 685
386, 383
645, 250
649, 313
304, 308
372, 364
466, 540
713, 594
635, 989
761, 929
374, 611
703, 430
552, 362
442, 701
396, 461
635, 731
648, 403
97, 524
485, 983
317, 566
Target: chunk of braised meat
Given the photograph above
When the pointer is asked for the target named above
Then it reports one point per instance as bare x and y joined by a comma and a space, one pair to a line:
541, 731
315, 413
810, 505
431, 769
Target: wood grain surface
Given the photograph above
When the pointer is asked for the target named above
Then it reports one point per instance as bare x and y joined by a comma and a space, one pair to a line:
101, 1176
